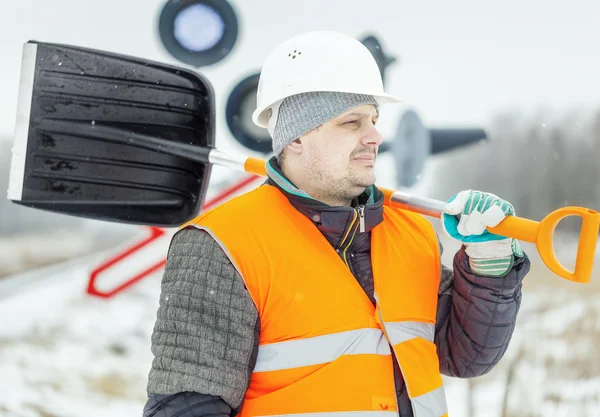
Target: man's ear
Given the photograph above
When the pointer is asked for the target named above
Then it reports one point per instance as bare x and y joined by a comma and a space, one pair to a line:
296, 146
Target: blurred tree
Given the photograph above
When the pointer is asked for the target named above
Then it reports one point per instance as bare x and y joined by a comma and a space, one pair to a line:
539, 163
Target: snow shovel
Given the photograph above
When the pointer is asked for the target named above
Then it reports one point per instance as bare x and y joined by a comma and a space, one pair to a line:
117, 138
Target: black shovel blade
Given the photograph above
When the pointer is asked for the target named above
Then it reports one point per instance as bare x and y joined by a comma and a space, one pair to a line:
57, 165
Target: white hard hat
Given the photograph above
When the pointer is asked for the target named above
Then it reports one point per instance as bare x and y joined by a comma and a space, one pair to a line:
317, 61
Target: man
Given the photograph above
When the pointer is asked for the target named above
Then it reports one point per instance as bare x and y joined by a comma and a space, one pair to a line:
308, 294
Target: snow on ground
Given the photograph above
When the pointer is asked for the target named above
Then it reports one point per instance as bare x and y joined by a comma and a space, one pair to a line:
551, 368
33, 250
63, 353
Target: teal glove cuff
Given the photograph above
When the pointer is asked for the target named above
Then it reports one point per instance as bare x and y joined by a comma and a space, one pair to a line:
450, 224
469, 210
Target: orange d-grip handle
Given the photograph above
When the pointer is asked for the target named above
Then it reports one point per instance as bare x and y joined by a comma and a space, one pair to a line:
542, 233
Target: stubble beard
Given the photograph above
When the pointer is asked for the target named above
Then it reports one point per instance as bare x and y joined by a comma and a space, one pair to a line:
346, 187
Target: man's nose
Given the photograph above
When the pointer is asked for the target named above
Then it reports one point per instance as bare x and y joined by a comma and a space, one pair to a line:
372, 137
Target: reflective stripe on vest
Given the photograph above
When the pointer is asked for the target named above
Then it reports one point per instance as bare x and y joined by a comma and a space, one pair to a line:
321, 352
320, 349
432, 404
408, 330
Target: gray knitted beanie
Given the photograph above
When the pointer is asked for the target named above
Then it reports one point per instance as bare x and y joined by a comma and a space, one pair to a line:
301, 113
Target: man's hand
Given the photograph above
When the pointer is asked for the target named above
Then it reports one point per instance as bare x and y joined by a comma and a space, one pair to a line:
466, 217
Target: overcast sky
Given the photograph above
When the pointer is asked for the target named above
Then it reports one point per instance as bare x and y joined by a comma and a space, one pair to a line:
459, 62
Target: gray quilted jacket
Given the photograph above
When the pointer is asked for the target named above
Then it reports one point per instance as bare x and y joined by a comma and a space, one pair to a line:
205, 339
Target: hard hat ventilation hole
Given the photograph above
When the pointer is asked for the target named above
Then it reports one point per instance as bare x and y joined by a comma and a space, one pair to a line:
294, 54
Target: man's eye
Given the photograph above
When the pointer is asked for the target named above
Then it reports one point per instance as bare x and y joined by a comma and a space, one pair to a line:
350, 122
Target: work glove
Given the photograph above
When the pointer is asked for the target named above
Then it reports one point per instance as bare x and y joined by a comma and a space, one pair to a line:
465, 218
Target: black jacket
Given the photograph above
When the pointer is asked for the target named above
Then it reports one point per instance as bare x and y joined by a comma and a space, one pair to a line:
191, 376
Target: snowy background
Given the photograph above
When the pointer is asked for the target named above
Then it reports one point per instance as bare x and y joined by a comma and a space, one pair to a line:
527, 72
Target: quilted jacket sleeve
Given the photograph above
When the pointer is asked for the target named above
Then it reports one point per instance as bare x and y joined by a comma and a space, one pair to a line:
186, 404
205, 338
476, 316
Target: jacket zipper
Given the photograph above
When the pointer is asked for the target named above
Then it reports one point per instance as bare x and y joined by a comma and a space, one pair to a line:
359, 214
361, 217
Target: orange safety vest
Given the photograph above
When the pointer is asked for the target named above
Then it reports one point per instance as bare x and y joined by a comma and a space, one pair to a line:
323, 346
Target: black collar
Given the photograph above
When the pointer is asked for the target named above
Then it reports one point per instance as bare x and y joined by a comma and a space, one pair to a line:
329, 219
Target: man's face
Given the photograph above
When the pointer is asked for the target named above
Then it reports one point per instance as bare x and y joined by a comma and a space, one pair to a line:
339, 156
